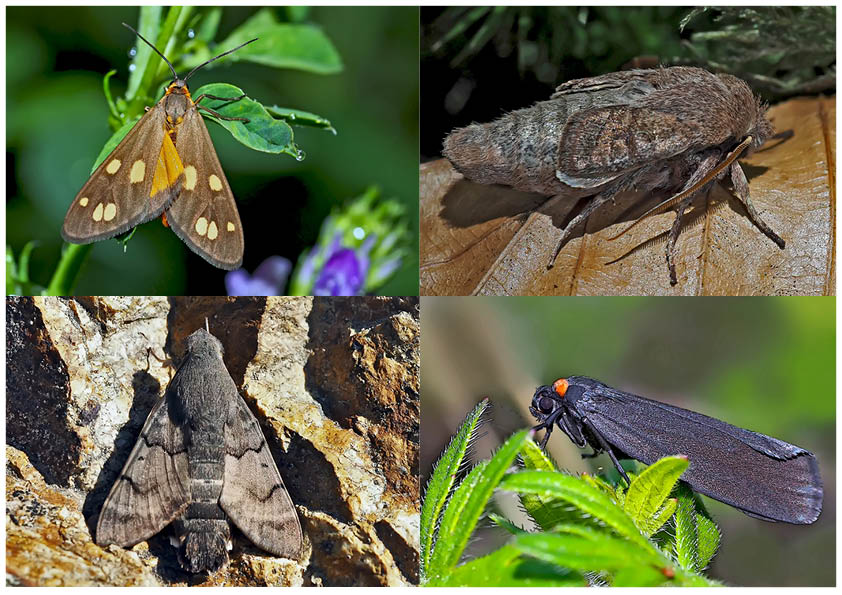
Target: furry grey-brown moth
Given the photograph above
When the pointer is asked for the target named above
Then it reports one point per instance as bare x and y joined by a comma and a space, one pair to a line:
671, 131
200, 461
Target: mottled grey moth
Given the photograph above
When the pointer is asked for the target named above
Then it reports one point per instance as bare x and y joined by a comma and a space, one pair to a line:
200, 461
673, 131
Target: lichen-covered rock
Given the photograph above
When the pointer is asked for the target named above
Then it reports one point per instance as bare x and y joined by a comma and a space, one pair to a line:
334, 383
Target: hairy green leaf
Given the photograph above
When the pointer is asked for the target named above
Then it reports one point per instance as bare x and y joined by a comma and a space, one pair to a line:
650, 489
506, 567
579, 493
443, 476
468, 503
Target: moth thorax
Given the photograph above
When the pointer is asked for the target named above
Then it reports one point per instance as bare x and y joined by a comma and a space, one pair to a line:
176, 103
518, 150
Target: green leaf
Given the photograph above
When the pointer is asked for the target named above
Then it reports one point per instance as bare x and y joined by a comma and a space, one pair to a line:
295, 117
282, 45
536, 459
12, 288
468, 503
685, 529
639, 576
578, 493
593, 552
148, 25
650, 489
262, 132
209, 24
708, 537
507, 568
662, 516
547, 512
443, 476
506, 524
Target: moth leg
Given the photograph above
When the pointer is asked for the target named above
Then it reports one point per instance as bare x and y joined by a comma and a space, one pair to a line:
673, 236
603, 444
596, 202
740, 184
218, 115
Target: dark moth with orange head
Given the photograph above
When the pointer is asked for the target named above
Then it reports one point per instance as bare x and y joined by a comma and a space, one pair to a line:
673, 132
762, 476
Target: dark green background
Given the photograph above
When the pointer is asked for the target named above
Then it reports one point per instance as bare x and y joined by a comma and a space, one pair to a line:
766, 364
57, 123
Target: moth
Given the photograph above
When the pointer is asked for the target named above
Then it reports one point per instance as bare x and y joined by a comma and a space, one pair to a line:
672, 131
201, 461
166, 165
764, 477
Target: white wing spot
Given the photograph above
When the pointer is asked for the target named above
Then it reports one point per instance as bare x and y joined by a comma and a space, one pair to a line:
138, 172
110, 211
214, 183
212, 231
230, 226
97, 215
201, 226
113, 166
189, 177
83, 202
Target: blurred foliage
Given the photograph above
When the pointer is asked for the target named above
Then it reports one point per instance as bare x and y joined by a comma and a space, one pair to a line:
549, 40
57, 122
783, 50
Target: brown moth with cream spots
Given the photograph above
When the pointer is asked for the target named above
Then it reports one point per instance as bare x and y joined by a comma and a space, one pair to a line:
165, 166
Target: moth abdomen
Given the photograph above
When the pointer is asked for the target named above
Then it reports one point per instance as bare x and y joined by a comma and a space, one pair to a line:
519, 149
204, 544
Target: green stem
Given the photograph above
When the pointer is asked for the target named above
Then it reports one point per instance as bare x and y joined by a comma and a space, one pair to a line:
154, 66
67, 272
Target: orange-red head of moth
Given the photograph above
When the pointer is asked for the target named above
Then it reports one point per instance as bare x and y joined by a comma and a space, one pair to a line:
560, 386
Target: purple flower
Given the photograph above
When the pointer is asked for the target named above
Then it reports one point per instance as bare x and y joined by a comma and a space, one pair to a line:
269, 278
344, 271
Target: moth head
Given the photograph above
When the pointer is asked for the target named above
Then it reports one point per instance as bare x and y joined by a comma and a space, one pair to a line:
203, 344
749, 111
547, 399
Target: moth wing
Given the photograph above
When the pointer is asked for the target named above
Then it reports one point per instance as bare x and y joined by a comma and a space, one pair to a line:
253, 494
153, 487
602, 143
635, 80
205, 213
117, 196
763, 476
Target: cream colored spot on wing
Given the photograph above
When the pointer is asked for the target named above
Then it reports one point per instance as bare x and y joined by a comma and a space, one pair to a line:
113, 166
213, 231
138, 172
110, 211
83, 202
189, 177
230, 226
214, 183
201, 226
97, 213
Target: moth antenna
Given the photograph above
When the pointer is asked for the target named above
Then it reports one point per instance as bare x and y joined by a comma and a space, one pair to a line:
174, 75
189, 74
732, 156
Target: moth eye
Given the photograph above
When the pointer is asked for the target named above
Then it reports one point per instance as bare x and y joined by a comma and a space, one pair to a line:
545, 404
